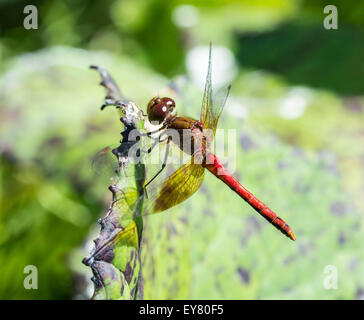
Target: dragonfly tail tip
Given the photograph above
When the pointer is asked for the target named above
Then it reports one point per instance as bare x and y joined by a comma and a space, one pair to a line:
291, 235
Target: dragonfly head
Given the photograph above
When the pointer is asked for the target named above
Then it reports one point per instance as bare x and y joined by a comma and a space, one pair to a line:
160, 109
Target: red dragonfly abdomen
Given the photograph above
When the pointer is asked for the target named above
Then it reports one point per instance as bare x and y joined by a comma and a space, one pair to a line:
214, 165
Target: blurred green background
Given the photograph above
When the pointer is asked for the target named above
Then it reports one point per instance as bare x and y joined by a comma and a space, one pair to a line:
296, 102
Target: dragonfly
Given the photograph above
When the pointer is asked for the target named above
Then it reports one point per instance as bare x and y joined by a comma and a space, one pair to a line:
187, 179
195, 138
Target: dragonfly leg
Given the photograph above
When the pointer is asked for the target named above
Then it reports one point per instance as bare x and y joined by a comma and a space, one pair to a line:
148, 134
163, 165
156, 141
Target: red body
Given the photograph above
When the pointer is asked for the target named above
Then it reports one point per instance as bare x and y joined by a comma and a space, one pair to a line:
193, 130
218, 169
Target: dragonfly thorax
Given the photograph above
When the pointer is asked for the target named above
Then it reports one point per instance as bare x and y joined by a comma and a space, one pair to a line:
160, 109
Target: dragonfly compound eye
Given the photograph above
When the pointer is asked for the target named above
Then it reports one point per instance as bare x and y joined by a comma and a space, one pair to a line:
160, 108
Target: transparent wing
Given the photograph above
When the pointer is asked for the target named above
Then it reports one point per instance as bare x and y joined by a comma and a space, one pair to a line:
179, 186
212, 108
182, 184
219, 101
206, 116
104, 162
